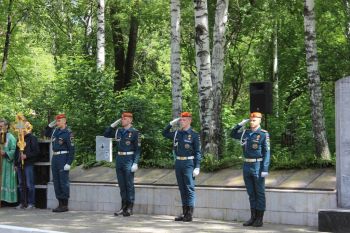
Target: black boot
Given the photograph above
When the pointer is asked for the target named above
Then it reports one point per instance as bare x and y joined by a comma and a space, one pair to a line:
252, 218
63, 207
58, 207
122, 209
129, 210
188, 215
259, 218
181, 216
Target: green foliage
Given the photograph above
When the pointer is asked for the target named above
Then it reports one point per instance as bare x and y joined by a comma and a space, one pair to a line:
285, 159
210, 163
92, 163
49, 72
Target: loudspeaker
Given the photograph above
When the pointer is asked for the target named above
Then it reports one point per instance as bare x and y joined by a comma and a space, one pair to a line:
261, 97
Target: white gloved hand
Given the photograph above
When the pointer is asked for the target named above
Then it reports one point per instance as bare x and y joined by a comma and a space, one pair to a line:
66, 167
264, 174
52, 124
196, 172
245, 121
134, 167
114, 124
173, 122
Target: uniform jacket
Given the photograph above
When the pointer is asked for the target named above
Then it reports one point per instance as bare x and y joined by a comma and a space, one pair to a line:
62, 140
255, 144
185, 143
127, 140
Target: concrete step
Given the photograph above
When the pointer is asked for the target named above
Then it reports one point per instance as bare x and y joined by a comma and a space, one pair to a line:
284, 206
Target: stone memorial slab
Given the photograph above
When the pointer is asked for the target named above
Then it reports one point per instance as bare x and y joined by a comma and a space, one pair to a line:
276, 178
326, 181
301, 178
342, 122
103, 149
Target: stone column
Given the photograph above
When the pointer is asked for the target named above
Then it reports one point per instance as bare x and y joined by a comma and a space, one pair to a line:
342, 118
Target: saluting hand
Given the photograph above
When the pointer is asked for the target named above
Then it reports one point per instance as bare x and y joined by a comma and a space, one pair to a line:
52, 124
245, 121
173, 122
114, 124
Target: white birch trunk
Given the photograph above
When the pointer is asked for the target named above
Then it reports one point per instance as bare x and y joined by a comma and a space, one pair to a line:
175, 58
347, 24
88, 32
204, 75
317, 114
275, 77
101, 35
217, 73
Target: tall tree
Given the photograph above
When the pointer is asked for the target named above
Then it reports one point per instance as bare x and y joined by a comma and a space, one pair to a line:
131, 52
101, 35
205, 85
317, 114
217, 73
88, 29
7, 39
347, 24
175, 59
123, 65
118, 47
275, 66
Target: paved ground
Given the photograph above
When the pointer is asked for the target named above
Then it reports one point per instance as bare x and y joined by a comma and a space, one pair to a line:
80, 221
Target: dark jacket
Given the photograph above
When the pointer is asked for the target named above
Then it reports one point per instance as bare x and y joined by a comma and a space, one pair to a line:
186, 143
31, 150
127, 140
62, 140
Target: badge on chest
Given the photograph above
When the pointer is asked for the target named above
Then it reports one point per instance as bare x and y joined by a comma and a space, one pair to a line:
60, 141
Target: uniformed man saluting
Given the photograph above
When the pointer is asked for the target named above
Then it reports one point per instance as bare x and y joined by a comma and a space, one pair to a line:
187, 150
256, 149
63, 155
128, 155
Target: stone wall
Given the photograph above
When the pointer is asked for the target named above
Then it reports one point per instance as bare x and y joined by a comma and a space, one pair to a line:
297, 207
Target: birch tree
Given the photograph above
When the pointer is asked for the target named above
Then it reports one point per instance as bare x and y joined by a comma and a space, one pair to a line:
275, 66
317, 114
204, 75
88, 29
347, 23
175, 59
217, 74
101, 35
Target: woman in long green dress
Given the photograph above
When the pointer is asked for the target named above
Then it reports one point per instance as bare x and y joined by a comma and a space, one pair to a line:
9, 181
